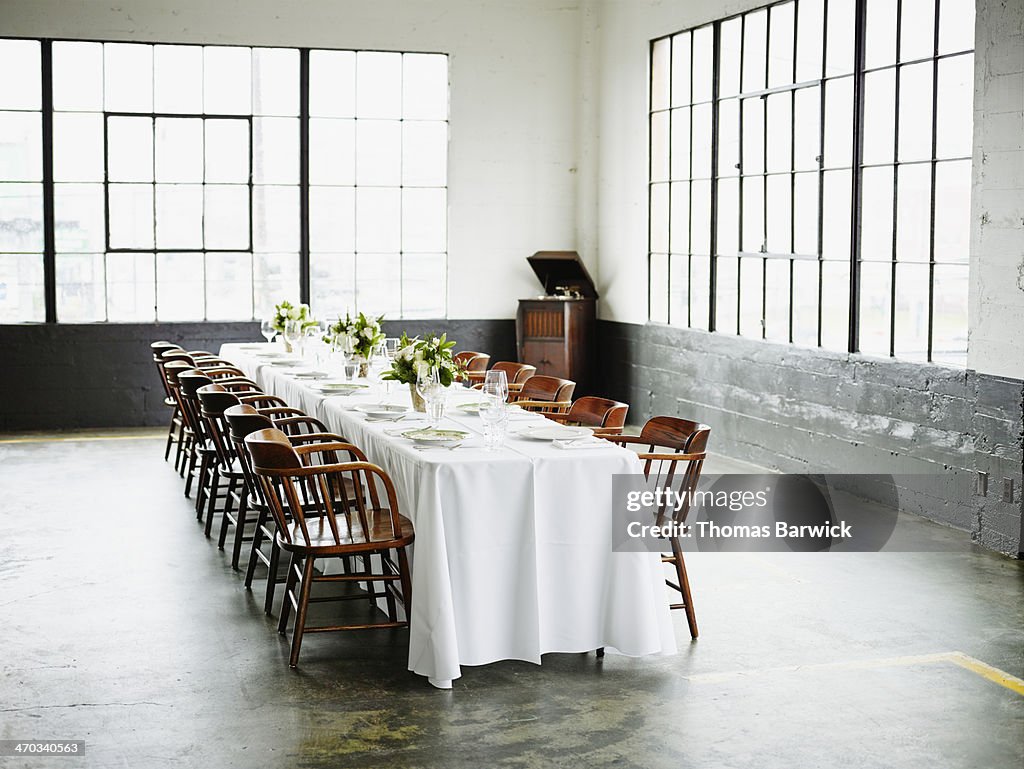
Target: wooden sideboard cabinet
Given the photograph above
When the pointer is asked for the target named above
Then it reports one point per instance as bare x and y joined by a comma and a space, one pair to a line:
556, 332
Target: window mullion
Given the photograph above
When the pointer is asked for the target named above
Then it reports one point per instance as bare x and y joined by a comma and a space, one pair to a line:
49, 237
716, 49
304, 288
853, 341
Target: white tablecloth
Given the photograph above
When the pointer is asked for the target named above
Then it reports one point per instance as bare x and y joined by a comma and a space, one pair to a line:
513, 554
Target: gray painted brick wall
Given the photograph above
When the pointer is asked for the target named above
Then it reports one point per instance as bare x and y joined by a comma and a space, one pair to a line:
66, 376
794, 409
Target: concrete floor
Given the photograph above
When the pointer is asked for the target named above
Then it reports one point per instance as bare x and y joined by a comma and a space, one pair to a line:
125, 627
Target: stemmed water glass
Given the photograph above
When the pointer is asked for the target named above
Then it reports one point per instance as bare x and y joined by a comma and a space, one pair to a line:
293, 333
268, 330
428, 385
311, 339
380, 363
315, 342
494, 412
498, 383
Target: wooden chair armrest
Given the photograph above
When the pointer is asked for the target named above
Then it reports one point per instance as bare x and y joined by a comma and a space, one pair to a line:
556, 416
671, 457
632, 439
299, 440
328, 442
557, 406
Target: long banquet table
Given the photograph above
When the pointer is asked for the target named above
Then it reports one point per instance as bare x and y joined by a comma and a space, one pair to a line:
513, 555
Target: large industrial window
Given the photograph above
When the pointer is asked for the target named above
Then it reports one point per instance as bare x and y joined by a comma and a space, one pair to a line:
180, 182
810, 176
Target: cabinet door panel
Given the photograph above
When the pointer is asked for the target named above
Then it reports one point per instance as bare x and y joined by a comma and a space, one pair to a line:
548, 357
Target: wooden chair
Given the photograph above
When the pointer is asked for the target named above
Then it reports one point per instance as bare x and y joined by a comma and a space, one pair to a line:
214, 401
204, 448
209, 361
176, 426
300, 424
544, 394
605, 416
280, 412
222, 372
240, 386
186, 459
244, 420
471, 362
317, 529
674, 454
515, 373
263, 401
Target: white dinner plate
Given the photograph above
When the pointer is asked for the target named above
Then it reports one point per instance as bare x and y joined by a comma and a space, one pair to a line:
338, 387
380, 410
273, 354
286, 362
433, 435
554, 432
309, 374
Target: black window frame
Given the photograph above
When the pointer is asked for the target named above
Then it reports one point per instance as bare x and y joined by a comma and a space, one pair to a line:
855, 168
48, 183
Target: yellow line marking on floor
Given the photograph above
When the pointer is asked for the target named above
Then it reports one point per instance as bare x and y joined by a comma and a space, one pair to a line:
989, 672
919, 659
71, 438
965, 661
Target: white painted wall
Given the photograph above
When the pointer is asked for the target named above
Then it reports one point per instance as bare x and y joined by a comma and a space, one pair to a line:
996, 341
514, 80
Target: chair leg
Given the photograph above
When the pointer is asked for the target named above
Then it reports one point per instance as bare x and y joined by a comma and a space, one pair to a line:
389, 590
406, 579
240, 520
225, 516
257, 542
300, 614
181, 453
684, 588
211, 506
189, 464
275, 559
202, 481
170, 435
289, 585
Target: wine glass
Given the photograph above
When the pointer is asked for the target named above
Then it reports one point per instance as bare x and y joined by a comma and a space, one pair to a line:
268, 330
498, 382
391, 347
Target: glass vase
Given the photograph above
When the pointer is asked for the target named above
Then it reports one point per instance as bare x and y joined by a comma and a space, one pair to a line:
418, 404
